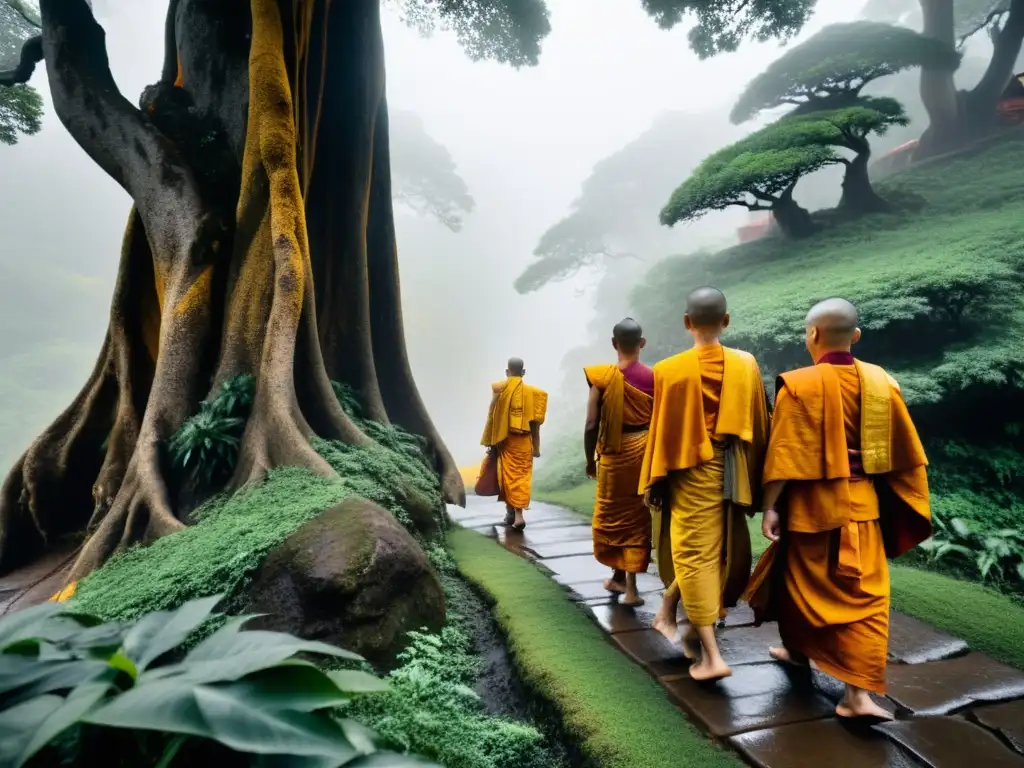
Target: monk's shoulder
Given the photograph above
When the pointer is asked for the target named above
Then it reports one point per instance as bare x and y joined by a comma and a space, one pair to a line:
799, 381
744, 357
674, 367
599, 375
880, 374
499, 386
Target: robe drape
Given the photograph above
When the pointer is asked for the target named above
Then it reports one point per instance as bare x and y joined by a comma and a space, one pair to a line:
507, 432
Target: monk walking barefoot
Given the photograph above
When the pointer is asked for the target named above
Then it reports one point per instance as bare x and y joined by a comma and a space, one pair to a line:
618, 415
709, 430
512, 433
845, 485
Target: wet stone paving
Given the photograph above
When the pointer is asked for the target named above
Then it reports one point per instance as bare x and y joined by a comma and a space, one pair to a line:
954, 708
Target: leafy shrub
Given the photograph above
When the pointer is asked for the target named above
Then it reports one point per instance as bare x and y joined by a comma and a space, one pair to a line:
205, 448
983, 553
430, 707
64, 672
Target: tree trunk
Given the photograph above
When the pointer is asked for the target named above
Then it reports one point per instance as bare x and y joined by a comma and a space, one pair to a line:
957, 117
220, 275
859, 196
794, 221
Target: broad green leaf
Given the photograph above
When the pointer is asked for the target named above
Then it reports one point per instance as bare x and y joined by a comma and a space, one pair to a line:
390, 760
960, 526
172, 750
157, 633
295, 685
21, 624
167, 705
239, 726
31, 677
19, 724
245, 653
362, 738
300, 761
217, 645
78, 702
354, 681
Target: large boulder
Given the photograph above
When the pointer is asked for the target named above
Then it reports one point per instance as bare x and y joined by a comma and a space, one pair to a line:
352, 577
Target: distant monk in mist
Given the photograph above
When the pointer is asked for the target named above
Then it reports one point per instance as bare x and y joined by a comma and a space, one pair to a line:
701, 471
845, 484
614, 440
512, 437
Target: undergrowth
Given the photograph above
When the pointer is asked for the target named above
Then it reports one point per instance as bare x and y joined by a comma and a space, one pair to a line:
431, 708
233, 533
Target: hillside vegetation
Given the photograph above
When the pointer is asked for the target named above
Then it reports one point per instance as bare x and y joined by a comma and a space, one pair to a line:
939, 285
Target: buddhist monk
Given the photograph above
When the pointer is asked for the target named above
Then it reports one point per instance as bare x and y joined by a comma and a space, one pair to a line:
708, 434
512, 437
615, 437
845, 484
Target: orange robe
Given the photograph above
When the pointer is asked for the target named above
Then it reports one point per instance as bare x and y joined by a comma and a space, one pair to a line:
622, 523
827, 580
709, 430
516, 406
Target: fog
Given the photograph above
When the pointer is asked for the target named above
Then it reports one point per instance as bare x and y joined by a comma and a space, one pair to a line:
523, 141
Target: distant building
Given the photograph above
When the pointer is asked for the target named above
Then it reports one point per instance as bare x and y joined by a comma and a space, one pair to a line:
761, 224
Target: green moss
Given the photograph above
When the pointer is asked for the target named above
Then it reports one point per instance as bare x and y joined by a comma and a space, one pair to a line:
989, 621
564, 657
431, 709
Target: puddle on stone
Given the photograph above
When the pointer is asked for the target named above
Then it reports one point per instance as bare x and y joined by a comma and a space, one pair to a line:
951, 741
821, 743
1007, 719
913, 642
941, 687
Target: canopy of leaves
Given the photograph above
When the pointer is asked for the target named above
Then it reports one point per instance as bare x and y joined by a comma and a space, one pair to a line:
839, 61
752, 172
19, 20
424, 173
722, 26
21, 112
611, 220
837, 127
971, 16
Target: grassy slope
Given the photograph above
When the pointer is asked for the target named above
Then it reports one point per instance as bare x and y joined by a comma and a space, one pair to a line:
989, 621
567, 659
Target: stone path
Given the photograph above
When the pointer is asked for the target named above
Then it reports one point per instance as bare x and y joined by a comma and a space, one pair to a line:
955, 708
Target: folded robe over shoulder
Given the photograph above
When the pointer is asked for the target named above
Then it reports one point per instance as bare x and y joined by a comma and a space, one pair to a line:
622, 523
516, 406
826, 581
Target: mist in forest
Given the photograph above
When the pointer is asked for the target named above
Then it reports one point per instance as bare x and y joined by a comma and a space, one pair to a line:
522, 142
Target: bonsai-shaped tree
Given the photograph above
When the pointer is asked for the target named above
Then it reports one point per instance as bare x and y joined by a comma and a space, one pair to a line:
958, 117
759, 173
829, 69
261, 243
849, 128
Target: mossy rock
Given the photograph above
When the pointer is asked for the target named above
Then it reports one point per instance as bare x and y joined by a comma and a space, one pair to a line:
353, 577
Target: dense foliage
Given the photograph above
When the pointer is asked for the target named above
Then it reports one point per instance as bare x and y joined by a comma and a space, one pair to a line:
74, 687
831, 67
21, 112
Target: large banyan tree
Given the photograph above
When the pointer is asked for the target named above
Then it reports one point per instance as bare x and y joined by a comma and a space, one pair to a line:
261, 242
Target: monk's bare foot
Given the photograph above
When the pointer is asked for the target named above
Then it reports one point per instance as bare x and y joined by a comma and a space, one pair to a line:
510, 517
632, 600
611, 585
691, 643
667, 627
783, 655
860, 704
520, 522
708, 670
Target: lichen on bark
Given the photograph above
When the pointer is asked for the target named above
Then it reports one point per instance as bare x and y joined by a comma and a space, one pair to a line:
261, 242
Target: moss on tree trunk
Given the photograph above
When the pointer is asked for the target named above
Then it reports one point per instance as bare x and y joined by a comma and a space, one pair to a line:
261, 242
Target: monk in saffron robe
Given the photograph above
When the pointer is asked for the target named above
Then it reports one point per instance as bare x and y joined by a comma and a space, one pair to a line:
701, 470
512, 437
845, 485
618, 416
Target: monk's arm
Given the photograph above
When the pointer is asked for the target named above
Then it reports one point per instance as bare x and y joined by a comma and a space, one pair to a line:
771, 524
590, 430
535, 435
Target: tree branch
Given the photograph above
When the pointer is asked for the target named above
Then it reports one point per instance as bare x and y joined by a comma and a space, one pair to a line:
1006, 43
31, 54
116, 135
169, 72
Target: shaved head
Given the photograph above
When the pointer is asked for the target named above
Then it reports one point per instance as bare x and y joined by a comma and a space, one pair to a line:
627, 335
706, 308
836, 322
516, 366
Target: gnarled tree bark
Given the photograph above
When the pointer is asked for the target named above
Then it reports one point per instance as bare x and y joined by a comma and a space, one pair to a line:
261, 242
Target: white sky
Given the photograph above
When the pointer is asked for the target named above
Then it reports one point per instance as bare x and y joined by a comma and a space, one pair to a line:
523, 141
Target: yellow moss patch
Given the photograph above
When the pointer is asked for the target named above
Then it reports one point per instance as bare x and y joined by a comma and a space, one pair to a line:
198, 294
65, 594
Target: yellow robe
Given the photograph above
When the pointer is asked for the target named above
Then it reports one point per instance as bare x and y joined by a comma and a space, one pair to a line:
516, 407
827, 580
710, 465
622, 523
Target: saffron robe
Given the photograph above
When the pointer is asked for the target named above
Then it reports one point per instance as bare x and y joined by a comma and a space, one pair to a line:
826, 581
516, 406
710, 463
621, 523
